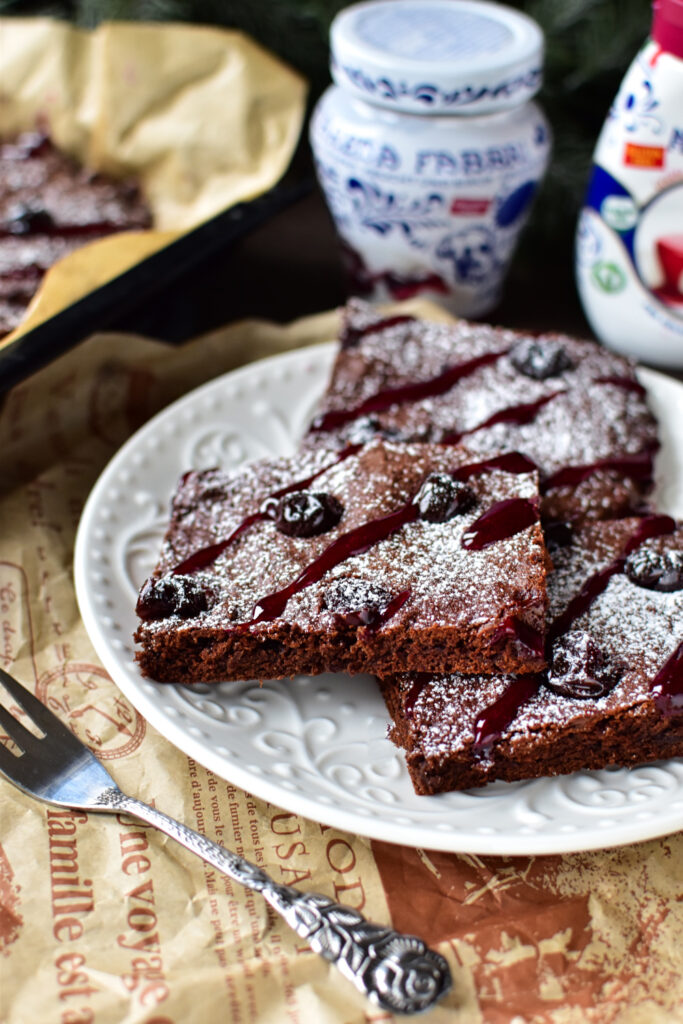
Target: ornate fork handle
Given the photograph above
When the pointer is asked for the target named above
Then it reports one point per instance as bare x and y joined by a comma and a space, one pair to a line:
397, 972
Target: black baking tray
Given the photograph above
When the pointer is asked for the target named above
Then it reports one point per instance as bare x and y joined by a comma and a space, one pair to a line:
118, 299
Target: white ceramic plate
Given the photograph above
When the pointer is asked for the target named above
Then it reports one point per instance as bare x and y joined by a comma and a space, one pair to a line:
317, 746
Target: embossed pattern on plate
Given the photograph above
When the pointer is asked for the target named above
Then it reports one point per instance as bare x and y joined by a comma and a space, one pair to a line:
317, 745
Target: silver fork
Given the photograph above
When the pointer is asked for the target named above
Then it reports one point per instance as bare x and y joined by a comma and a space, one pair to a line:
397, 972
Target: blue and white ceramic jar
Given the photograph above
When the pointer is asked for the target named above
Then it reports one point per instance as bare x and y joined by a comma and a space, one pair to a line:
428, 146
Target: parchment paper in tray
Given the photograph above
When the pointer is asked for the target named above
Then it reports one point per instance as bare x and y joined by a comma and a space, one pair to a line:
204, 118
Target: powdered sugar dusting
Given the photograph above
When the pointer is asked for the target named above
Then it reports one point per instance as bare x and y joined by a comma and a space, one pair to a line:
585, 422
449, 586
636, 628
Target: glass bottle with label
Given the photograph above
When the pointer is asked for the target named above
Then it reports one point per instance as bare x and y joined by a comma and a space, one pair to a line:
629, 251
428, 146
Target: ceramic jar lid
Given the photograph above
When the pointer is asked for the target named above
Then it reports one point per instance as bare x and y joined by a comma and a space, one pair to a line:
454, 57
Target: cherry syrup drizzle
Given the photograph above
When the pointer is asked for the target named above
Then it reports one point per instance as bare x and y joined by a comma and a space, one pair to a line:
510, 462
667, 685
391, 609
502, 520
513, 462
29, 272
517, 414
639, 466
49, 228
355, 542
417, 685
352, 335
650, 526
407, 393
522, 633
365, 536
493, 720
31, 144
206, 556
627, 383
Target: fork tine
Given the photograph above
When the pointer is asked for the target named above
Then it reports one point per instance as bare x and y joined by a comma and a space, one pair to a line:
18, 732
8, 761
34, 708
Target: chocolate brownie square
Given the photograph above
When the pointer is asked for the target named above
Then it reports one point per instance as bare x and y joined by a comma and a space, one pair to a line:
379, 558
611, 695
574, 408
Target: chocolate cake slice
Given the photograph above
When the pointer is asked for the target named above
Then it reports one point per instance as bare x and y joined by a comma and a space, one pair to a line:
571, 406
611, 695
50, 206
379, 558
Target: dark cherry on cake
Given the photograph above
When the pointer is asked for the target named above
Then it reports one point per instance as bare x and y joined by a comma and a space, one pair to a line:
304, 513
441, 497
574, 408
613, 690
358, 559
50, 206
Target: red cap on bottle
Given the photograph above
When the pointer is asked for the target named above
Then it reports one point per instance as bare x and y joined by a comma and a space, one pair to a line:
667, 25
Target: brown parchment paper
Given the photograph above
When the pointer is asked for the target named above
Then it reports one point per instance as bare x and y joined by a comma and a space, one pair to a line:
144, 931
202, 117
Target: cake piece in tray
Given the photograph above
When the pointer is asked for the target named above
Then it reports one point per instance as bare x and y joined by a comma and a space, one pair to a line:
613, 690
50, 206
379, 558
574, 408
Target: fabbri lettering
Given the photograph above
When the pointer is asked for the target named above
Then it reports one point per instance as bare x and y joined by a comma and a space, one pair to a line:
441, 163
